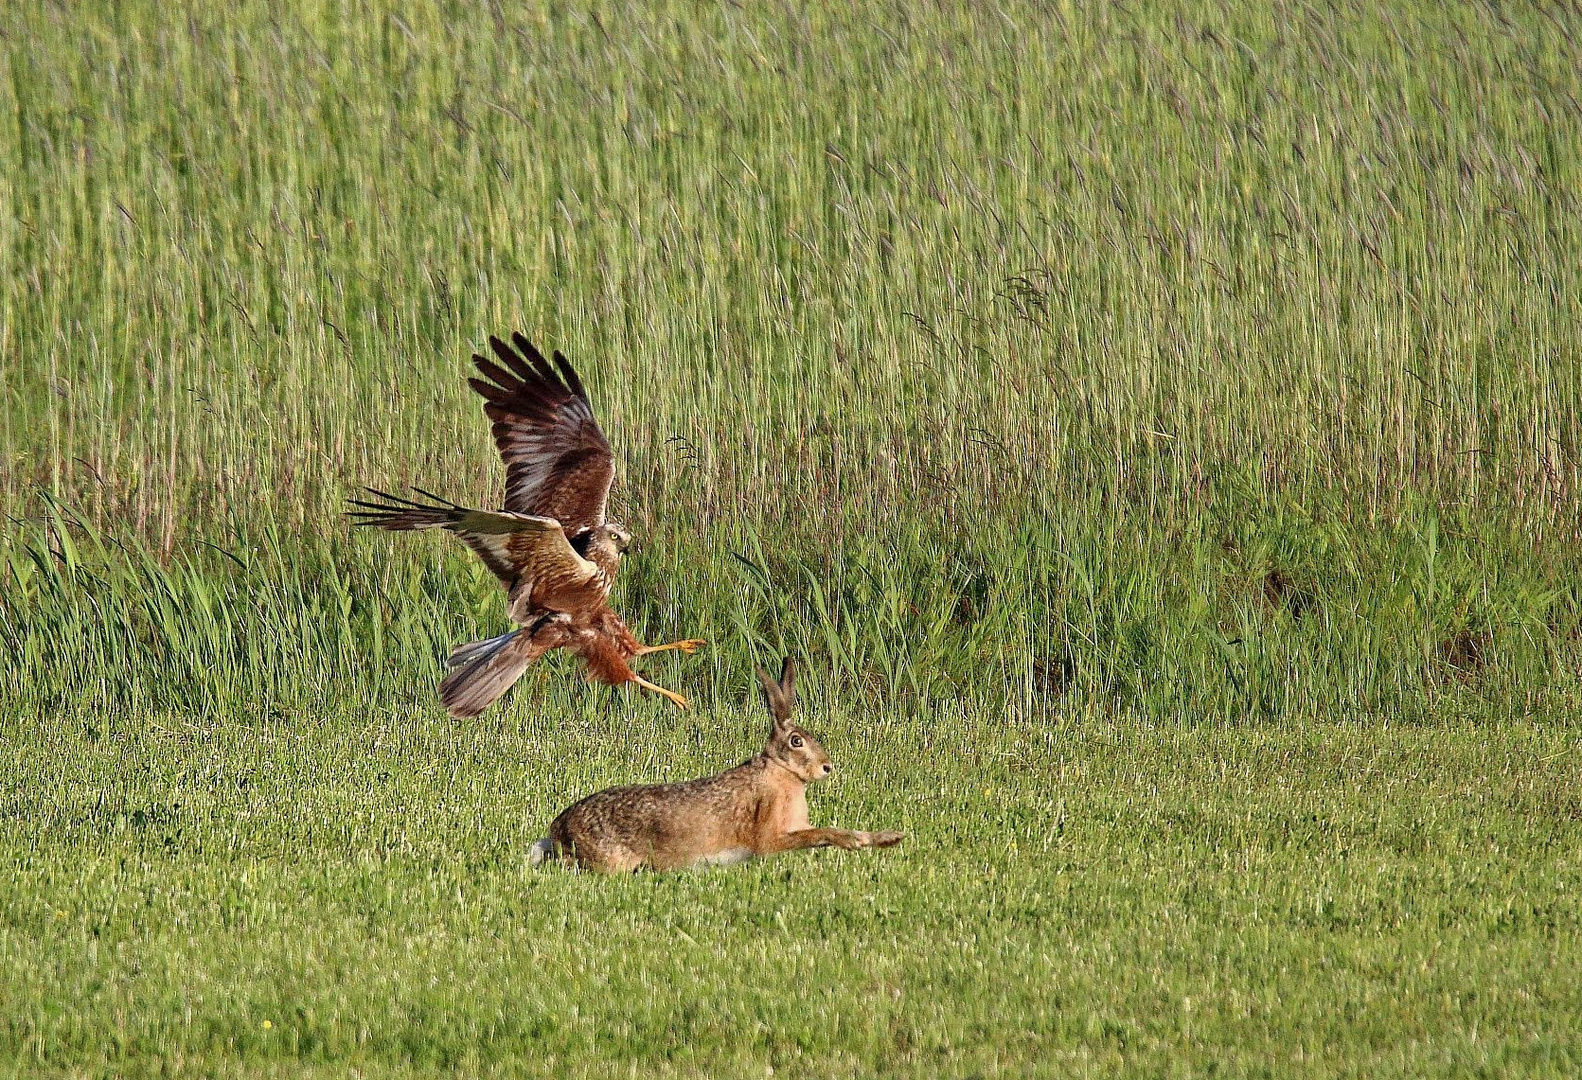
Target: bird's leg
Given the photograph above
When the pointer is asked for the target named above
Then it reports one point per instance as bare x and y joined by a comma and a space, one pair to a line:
690, 645
681, 702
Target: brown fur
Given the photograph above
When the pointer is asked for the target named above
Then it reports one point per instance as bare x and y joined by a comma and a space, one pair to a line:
757, 808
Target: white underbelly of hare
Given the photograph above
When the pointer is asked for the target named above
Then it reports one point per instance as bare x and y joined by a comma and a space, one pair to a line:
728, 857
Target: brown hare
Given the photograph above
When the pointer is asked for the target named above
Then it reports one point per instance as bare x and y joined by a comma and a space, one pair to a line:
757, 808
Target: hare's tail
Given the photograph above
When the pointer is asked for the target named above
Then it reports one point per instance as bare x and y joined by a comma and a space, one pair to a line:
481, 671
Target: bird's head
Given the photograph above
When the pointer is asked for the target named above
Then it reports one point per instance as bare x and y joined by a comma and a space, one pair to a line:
604, 544
617, 536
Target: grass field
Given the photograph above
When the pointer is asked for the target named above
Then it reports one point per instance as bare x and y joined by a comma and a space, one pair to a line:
1156, 427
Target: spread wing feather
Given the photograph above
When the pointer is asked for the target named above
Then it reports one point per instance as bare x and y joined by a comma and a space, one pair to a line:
511, 545
558, 463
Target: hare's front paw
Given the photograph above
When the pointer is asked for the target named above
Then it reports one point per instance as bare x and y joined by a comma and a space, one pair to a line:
884, 839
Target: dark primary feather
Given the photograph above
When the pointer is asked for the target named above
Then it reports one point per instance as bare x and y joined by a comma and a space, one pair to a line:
400, 513
511, 545
558, 463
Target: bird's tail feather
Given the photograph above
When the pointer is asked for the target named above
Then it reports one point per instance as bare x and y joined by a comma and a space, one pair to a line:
401, 514
481, 671
462, 655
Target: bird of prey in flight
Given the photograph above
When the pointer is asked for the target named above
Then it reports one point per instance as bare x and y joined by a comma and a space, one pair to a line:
552, 547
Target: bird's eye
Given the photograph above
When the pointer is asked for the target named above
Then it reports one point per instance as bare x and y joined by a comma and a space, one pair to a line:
796, 741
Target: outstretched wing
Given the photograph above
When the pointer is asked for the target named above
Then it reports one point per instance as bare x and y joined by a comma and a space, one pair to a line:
557, 462
512, 546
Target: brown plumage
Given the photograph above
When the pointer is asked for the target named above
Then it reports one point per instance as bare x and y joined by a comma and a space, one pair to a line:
757, 808
551, 546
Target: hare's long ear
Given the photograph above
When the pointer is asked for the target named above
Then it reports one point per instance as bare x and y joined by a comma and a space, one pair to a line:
788, 684
779, 696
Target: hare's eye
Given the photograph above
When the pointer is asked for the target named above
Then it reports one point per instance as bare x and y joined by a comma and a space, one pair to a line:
796, 741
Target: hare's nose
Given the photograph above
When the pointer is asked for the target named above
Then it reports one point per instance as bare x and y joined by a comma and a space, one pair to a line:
828, 767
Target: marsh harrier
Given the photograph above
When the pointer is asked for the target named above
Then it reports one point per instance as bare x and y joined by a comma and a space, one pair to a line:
551, 547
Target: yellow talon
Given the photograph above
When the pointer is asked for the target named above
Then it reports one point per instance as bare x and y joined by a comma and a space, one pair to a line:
680, 702
688, 646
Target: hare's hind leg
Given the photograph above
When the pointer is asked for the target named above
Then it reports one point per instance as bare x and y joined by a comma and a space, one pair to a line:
603, 858
600, 859
616, 861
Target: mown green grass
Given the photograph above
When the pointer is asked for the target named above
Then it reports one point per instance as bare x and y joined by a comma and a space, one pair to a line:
1336, 901
1155, 427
